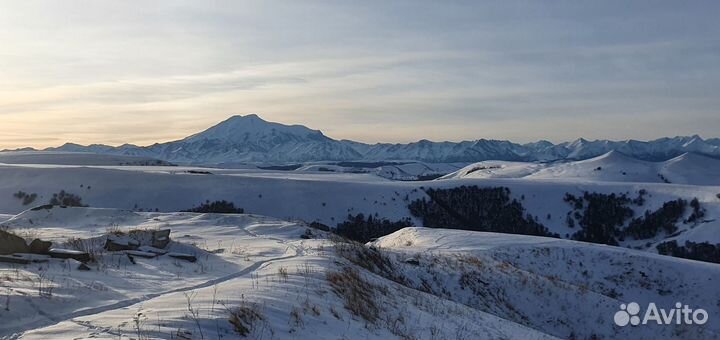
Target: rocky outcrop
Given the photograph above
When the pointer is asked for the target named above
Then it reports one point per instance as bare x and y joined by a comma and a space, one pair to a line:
183, 256
158, 239
38, 246
11, 243
69, 254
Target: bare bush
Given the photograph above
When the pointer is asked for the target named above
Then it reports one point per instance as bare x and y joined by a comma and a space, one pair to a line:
283, 273
92, 246
360, 296
369, 258
194, 312
245, 318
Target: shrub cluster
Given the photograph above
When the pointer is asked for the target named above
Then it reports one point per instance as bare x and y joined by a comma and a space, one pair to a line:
664, 218
698, 212
603, 214
26, 198
478, 209
602, 217
691, 250
219, 207
361, 229
67, 199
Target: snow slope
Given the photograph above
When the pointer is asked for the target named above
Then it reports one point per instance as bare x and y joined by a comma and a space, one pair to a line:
324, 197
692, 169
496, 169
564, 288
243, 261
465, 285
614, 166
401, 171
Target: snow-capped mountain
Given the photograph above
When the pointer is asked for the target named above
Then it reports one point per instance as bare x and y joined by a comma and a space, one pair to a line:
250, 139
242, 139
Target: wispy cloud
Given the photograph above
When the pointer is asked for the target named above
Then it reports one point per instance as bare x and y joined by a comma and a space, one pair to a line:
114, 72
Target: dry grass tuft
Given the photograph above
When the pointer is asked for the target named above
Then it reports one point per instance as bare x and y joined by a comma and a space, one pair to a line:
360, 296
245, 318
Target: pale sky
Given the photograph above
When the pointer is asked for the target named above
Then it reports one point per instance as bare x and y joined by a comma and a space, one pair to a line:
376, 71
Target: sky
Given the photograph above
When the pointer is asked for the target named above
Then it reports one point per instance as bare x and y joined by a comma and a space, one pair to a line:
141, 72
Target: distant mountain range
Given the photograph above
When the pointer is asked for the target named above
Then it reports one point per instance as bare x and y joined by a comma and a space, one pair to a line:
250, 139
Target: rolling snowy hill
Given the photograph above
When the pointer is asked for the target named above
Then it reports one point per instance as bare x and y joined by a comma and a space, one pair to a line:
327, 197
269, 278
688, 168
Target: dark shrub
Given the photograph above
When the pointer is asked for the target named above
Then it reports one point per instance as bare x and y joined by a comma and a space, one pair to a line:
26, 198
219, 207
67, 199
695, 251
698, 212
319, 226
360, 229
602, 216
664, 218
478, 209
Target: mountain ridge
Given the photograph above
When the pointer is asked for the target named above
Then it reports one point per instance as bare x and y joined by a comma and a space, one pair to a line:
250, 139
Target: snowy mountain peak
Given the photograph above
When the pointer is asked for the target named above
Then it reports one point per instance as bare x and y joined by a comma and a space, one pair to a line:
250, 139
251, 127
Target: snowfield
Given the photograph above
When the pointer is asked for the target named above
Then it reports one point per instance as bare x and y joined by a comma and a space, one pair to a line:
242, 260
283, 285
325, 197
688, 168
268, 275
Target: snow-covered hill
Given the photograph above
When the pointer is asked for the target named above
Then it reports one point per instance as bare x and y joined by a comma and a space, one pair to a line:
563, 288
400, 171
245, 265
326, 197
614, 166
272, 279
496, 169
75, 158
250, 139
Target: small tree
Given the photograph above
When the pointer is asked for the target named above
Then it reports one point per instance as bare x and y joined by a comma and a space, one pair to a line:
66, 199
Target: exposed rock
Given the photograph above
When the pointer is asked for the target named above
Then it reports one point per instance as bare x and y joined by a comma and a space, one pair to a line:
157, 239
138, 253
11, 243
412, 261
153, 250
307, 234
23, 258
69, 254
120, 243
38, 246
161, 238
319, 226
14, 259
32, 257
183, 256
83, 267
